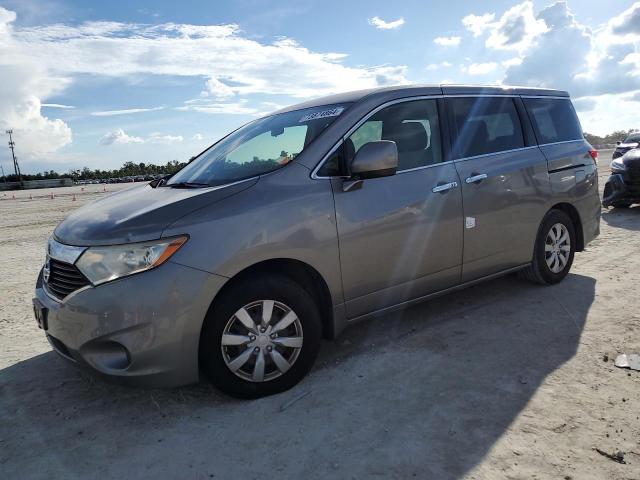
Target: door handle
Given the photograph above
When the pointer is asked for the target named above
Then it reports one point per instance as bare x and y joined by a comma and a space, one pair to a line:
444, 187
476, 178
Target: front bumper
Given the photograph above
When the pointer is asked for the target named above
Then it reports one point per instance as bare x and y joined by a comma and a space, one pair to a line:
617, 189
142, 330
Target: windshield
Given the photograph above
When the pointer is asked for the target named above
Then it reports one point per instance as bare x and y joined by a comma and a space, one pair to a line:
632, 138
259, 147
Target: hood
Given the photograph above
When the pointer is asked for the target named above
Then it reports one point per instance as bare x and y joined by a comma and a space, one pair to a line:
138, 214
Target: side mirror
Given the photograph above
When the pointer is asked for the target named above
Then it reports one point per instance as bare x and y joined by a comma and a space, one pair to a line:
375, 160
618, 142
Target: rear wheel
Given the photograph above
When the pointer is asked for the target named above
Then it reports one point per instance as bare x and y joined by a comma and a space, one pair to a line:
554, 249
260, 337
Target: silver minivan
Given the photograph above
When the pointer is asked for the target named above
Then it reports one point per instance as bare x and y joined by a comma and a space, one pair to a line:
315, 217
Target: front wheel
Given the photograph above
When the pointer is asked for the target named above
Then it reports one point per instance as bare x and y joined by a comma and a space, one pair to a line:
554, 249
260, 337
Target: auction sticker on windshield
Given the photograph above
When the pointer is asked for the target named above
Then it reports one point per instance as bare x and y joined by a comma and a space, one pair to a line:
333, 112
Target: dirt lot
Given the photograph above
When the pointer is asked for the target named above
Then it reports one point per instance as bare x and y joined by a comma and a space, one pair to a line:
503, 380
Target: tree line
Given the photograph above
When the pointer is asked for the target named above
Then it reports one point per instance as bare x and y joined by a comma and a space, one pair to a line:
608, 140
129, 169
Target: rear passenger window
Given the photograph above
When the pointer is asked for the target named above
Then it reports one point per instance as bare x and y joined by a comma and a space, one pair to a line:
485, 125
553, 119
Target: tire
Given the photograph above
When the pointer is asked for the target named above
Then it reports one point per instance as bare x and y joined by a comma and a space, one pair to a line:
260, 351
540, 271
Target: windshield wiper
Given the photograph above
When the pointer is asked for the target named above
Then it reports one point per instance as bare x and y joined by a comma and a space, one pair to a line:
188, 185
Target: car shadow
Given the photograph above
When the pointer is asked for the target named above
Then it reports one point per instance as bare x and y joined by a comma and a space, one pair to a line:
623, 217
423, 393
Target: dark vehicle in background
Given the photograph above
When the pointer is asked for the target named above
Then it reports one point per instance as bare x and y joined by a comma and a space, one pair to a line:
623, 186
632, 141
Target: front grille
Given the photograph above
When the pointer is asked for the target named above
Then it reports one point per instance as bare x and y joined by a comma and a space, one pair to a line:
64, 279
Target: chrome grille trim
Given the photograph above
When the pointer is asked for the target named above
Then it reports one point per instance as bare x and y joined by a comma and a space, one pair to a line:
64, 279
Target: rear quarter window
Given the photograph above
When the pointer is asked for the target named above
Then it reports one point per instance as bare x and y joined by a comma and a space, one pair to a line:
553, 119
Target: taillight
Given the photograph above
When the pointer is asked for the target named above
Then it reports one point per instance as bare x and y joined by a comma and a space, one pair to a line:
594, 156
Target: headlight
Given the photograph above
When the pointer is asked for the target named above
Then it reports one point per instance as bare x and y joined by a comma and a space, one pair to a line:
102, 264
617, 164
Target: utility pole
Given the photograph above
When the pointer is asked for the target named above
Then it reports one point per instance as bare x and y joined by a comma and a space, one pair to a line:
16, 167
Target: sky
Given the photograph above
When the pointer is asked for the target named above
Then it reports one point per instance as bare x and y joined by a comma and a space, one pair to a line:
96, 84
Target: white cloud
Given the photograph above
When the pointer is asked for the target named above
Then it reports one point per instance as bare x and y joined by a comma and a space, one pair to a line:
447, 41
6, 17
628, 22
477, 24
481, 68
584, 104
382, 25
197, 136
157, 137
38, 62
230, 108
110, 113
610, 113
511, 62
516, 29
597, 63
232, 63
599, 67
57, 105
273, 106
438, 66
217, 89
119, 137
24, 82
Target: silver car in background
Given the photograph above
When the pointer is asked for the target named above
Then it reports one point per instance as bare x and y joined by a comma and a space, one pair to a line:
315, 217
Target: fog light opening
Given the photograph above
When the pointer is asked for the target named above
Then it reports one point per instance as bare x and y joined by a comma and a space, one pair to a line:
108, 356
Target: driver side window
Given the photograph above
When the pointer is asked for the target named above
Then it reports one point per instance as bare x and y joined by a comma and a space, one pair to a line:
413, 126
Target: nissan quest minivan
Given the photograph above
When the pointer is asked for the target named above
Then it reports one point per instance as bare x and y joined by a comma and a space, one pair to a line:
315, 217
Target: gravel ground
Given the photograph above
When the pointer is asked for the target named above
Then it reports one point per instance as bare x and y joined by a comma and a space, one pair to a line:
502, 380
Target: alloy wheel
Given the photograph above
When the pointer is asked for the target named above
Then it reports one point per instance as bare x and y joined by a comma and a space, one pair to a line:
557, 248
262, 340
